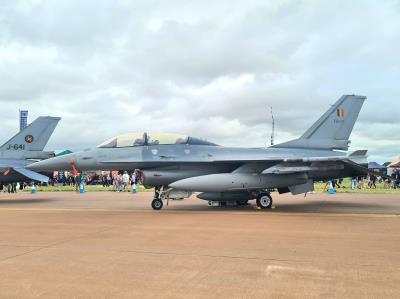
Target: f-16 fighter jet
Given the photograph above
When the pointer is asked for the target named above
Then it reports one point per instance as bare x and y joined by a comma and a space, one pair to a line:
25, 148
178, 165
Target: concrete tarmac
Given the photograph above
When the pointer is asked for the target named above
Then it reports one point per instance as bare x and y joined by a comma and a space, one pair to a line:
113, 245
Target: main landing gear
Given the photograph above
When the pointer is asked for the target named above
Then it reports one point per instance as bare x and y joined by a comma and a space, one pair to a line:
242, 202
157, 202
264, 200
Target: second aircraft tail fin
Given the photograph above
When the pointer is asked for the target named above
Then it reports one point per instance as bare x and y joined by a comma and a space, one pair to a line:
34, 137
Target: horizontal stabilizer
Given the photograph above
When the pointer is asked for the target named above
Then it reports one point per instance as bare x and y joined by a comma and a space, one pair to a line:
359, 153
365, 170
31, 174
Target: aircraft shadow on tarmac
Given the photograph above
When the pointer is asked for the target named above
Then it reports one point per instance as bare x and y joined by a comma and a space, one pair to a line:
330, 207
299, 207
25, 200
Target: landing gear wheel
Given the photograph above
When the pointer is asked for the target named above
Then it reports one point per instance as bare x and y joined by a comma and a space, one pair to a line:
157, 204
242, 202
264, 201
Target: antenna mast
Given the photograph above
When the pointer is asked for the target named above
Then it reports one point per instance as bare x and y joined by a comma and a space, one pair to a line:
273, 127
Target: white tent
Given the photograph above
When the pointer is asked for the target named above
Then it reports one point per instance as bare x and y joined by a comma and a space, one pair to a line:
394, 165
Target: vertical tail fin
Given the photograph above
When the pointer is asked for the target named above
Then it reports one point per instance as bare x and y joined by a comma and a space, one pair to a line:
34, 137
333, 129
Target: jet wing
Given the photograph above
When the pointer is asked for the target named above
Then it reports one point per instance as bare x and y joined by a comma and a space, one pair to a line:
305, 164
287, 168
292, 165
319, 165
31, 174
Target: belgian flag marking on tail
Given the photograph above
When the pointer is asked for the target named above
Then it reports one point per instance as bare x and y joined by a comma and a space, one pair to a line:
340, 113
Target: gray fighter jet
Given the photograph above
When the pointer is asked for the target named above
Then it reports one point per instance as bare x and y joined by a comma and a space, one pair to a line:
25, 148
178, 165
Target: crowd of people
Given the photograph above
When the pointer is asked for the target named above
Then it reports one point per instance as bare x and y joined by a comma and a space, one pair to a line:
119, 180
370, 181
13, 187
123, 181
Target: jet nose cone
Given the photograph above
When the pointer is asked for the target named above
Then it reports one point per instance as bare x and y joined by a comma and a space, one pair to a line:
52, 164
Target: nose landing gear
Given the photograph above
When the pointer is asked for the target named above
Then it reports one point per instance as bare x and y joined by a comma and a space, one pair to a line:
157, 202
264, 200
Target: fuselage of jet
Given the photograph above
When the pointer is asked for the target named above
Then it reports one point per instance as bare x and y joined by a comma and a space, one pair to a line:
165, 164
177, 162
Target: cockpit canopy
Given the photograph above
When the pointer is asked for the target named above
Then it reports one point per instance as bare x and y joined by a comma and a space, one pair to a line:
142, 139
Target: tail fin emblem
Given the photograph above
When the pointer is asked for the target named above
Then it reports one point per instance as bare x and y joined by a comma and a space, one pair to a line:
29, 138
340, 112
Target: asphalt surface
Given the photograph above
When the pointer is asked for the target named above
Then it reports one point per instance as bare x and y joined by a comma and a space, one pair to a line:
113, 245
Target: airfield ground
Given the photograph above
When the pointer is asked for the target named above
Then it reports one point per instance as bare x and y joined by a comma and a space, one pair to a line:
109, 245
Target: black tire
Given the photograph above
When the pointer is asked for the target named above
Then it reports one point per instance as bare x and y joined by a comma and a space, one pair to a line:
264, 201
242, 202
157, 204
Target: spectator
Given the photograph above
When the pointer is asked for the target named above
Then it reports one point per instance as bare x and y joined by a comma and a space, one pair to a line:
340, 183
138, 178
387, 184
353, 183
83, 181
12, 188
394, 176
327, 185
360, 182
125, 180
133, 178
337, 183
78, 179
108, 180
118, 182
372, 181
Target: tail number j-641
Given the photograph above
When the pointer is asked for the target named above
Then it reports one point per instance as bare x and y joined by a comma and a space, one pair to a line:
16, 147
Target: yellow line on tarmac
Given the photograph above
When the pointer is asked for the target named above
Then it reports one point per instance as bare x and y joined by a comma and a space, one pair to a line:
216, 212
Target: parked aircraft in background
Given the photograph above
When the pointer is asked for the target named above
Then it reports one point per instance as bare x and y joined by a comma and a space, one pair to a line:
395, 163
177, 165
25, 148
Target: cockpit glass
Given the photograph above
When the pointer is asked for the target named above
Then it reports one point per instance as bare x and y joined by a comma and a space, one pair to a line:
132, 139
110, 143
165, 138
141, 139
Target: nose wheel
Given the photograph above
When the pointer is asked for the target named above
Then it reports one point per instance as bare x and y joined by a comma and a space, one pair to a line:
157, 203
264, 201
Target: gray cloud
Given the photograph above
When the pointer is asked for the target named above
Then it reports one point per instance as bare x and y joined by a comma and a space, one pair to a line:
210, 69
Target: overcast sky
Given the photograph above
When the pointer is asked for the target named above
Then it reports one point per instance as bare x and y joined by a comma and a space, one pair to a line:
210, 69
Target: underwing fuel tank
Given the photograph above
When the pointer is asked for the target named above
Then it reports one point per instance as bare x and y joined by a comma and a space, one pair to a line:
225, 196
224, 182
166, 177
